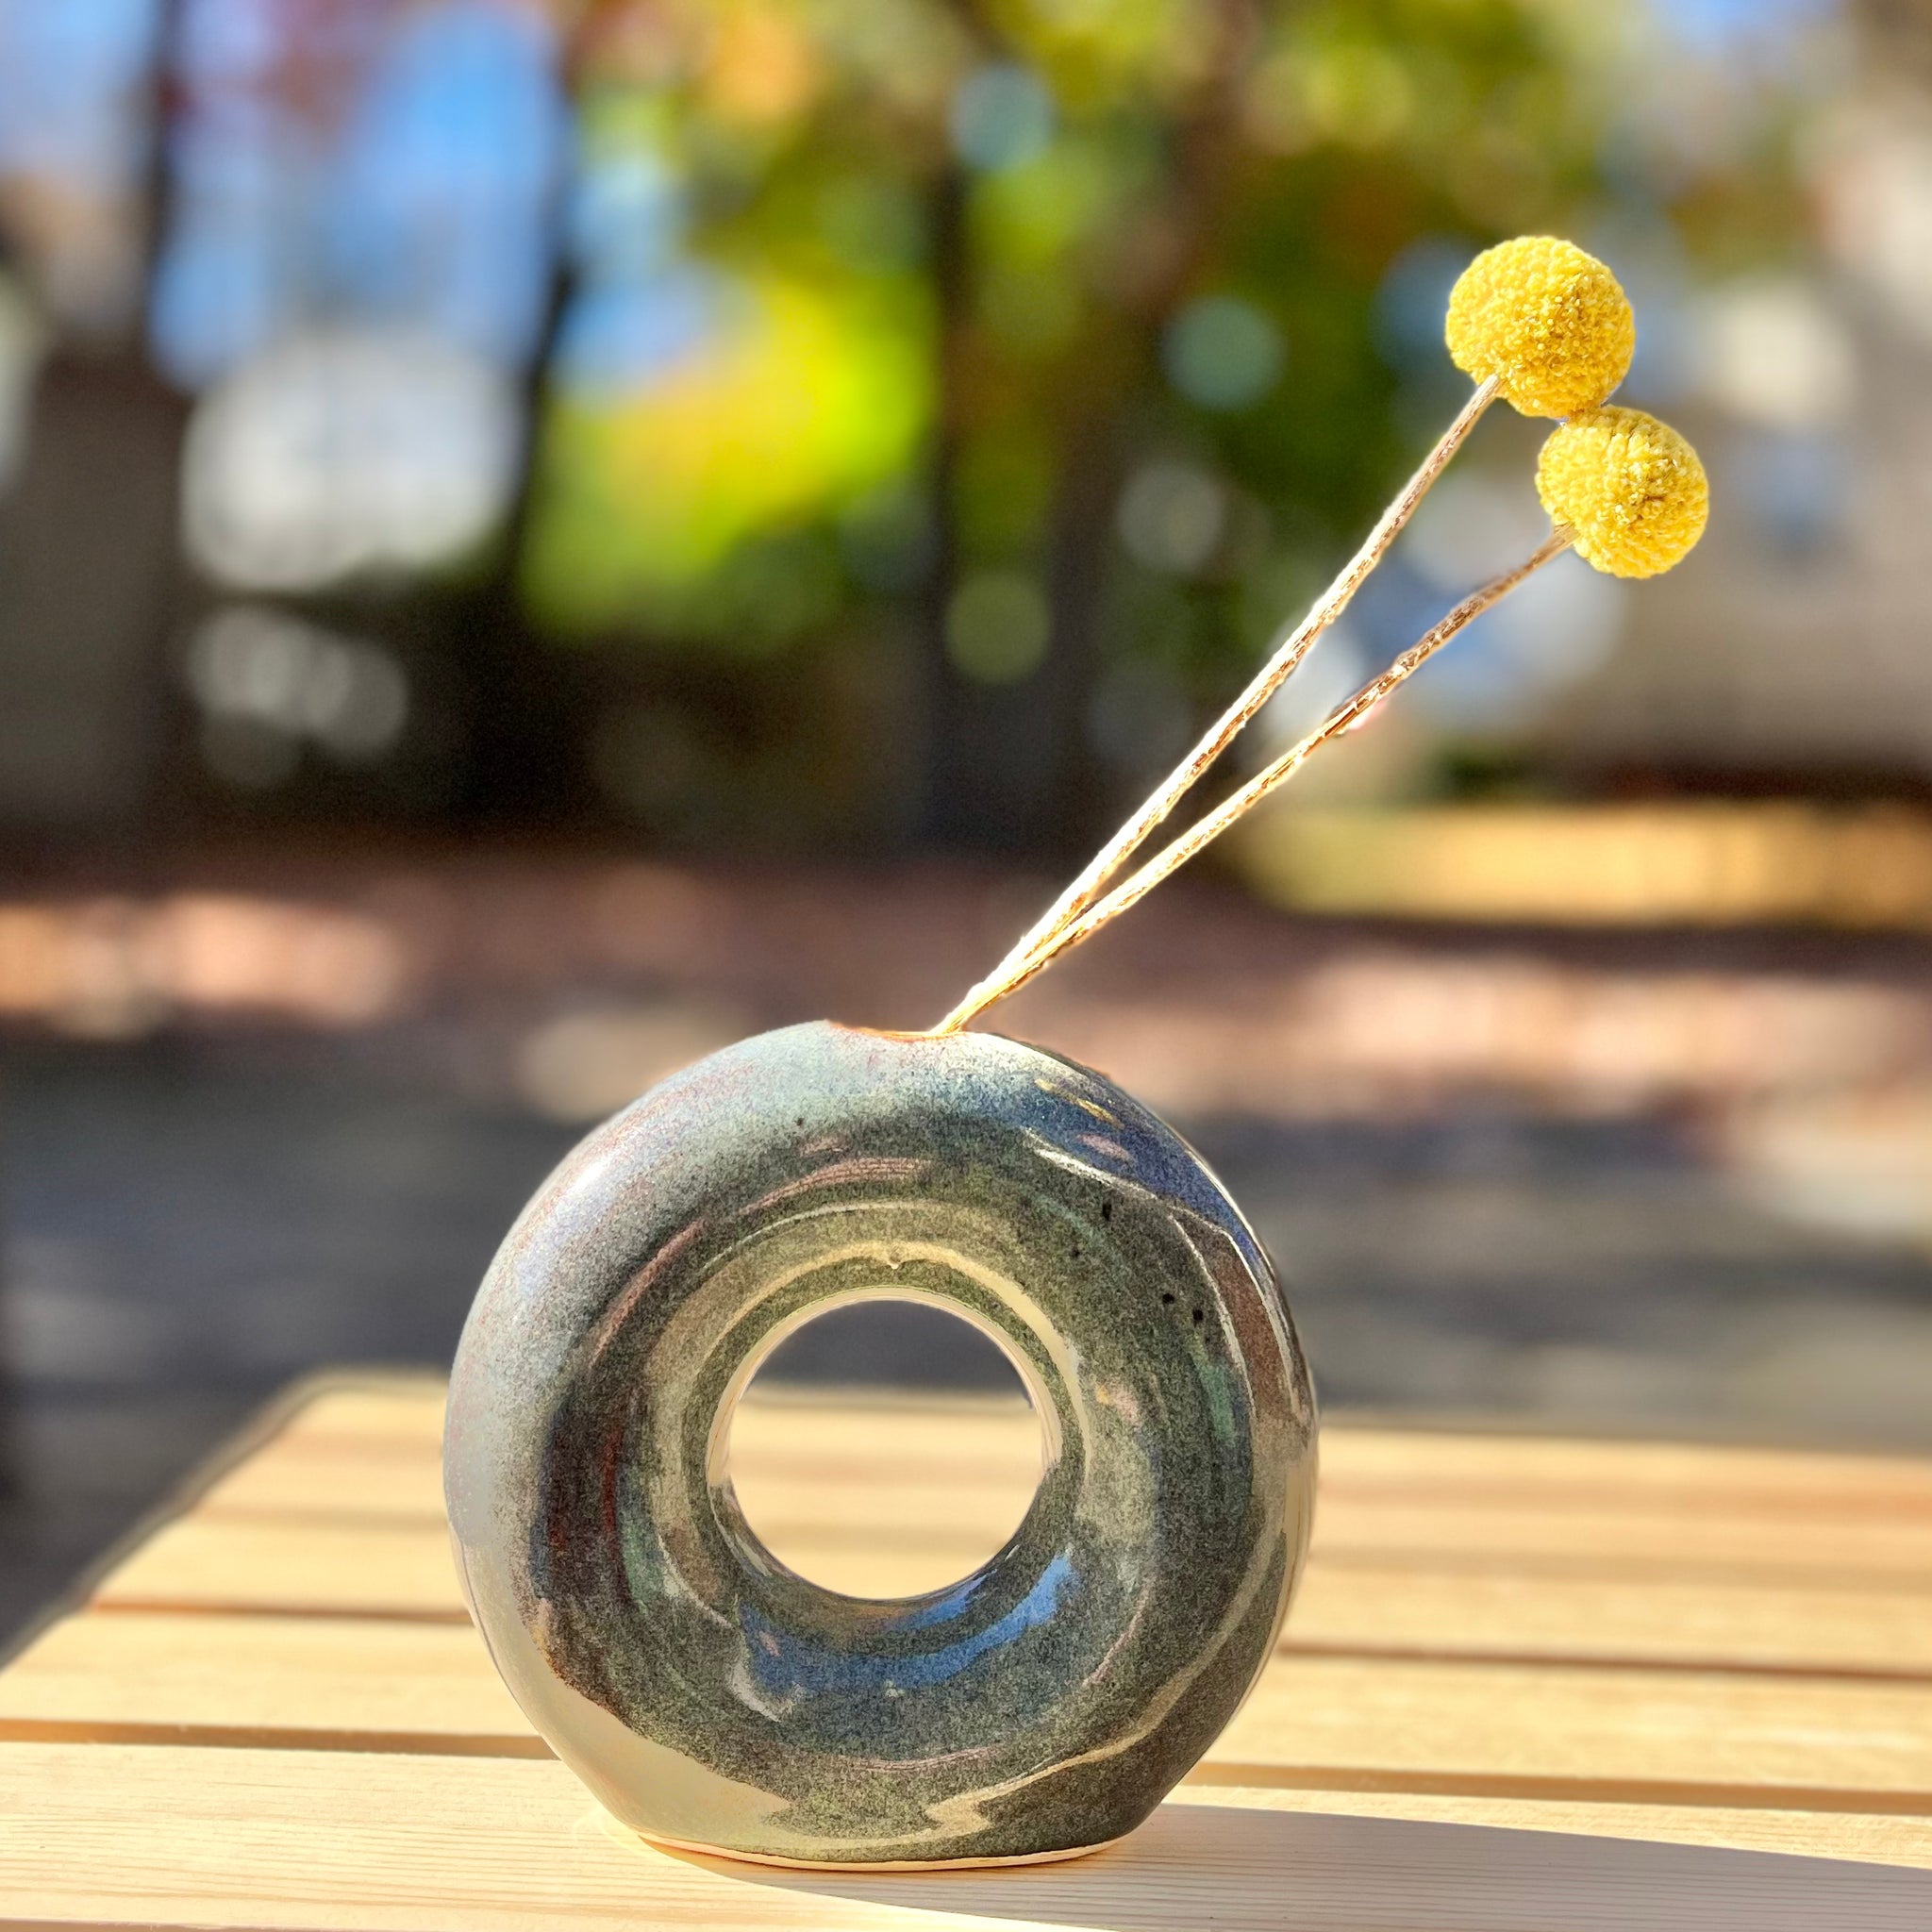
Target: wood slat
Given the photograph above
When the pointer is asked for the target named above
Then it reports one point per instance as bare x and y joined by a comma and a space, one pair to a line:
408, 1419
404, 1423
108, 1835
800, 1510
404, 1408
336, 1568
1690, 1476
360, 1684
1466, 1465
370, 1685
1554, 1536
290, 1567
379, 1459
1404, 1610
826, 1475
1703, 1739
307, 1475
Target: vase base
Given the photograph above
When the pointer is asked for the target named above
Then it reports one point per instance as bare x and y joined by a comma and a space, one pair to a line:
688, 1848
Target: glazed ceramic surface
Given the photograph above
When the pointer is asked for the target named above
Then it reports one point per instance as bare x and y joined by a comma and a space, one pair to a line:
711, 1698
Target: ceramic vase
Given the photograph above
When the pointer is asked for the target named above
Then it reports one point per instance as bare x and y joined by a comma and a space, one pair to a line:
713, 1699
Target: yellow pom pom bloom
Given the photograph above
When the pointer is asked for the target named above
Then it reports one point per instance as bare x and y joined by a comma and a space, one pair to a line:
1548, 320
1629, 486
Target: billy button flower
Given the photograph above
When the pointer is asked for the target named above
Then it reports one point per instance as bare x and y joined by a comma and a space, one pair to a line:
1547, 322
1630, 488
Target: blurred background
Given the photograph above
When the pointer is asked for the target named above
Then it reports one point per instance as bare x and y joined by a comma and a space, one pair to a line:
539, 536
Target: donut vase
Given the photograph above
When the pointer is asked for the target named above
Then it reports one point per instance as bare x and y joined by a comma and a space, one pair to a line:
710, 1697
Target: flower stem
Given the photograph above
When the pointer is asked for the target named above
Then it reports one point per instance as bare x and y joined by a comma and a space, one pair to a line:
1207, 829
1281, 664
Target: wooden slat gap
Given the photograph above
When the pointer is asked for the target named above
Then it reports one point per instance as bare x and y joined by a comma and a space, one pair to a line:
339, 1445
212, 1606
1633, 1499
1447, 1784
26, 1730
1623, 1568
1586, 1660
413, 1520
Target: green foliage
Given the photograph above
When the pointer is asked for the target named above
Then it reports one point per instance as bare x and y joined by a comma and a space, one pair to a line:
1008, 234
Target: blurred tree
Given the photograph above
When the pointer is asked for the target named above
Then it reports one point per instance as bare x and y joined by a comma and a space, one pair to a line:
937, 404
89, 435
1062, 342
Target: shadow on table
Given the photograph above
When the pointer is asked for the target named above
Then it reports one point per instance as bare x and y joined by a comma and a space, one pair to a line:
1252, 1871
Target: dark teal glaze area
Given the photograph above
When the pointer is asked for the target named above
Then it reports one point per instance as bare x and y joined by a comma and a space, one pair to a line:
704, 1691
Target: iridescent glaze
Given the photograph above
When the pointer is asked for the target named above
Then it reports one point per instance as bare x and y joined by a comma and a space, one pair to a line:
711, 1698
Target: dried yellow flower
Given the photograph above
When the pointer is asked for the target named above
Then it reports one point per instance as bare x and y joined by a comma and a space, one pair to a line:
1629, 486
1548, 320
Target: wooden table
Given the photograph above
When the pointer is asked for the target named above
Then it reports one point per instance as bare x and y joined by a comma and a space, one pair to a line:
1528, 1683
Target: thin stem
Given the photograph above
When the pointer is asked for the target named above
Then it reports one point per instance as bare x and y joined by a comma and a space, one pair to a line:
1266, 682
1207, 829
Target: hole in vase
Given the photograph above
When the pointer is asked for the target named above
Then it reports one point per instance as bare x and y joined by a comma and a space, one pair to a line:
886, 1448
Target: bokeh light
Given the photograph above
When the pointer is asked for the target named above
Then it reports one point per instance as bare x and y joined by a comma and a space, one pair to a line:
334, 454
1222, 353
998, 626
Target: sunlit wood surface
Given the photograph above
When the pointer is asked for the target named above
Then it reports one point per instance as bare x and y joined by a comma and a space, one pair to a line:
1528, 1683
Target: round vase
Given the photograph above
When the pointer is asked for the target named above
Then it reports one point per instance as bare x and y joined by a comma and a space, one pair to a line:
710, 1697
